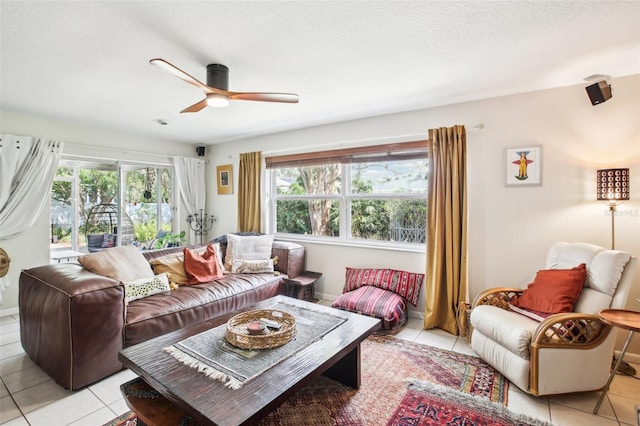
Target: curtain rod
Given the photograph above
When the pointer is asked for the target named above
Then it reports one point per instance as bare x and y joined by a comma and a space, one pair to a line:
115, 150
342, 144
78, 157
398, 138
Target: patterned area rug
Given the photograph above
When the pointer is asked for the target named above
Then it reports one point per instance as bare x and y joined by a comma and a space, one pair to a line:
430, 404
387, 365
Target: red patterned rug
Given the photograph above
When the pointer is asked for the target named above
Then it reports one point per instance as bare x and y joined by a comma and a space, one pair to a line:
427, 404
387, 365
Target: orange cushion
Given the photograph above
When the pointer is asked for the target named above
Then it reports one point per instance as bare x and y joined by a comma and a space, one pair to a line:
554, 290
202, 268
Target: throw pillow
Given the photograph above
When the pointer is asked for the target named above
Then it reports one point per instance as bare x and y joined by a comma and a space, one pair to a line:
137, 289
124, 263
252, 247
202, 268
389, 307
173, 266
252, 266
358, 277
403, 283
216, 247
529, 313
554, 290
108, 241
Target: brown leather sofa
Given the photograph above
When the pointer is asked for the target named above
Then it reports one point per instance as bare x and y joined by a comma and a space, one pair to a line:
73, 322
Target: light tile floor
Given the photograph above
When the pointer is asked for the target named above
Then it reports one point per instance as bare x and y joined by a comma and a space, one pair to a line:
29, 397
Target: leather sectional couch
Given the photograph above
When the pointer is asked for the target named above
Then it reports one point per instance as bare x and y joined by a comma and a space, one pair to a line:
73, 322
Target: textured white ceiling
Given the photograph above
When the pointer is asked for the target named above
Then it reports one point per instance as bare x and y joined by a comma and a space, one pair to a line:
87, 62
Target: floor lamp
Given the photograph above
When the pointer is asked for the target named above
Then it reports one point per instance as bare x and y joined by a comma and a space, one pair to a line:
613, 186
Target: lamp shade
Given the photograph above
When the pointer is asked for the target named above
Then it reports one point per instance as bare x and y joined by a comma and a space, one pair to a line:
613, 184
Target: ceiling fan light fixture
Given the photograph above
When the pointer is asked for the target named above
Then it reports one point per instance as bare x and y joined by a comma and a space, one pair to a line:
217, 101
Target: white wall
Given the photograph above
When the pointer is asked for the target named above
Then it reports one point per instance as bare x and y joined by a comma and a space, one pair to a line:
510, 228
32, 248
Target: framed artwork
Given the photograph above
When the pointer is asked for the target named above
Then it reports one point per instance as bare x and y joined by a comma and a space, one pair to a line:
523, 166
225, 175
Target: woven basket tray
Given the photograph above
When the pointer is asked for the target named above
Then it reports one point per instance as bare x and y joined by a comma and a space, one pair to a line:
238, 335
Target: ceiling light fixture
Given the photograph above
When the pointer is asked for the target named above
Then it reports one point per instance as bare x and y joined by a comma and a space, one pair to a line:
217, 101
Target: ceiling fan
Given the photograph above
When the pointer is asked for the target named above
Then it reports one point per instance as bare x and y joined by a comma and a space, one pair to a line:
217, 87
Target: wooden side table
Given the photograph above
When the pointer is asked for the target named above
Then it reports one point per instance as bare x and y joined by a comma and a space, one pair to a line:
303, 286
628, 320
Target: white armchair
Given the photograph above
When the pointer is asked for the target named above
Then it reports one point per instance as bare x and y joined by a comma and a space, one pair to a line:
566, 352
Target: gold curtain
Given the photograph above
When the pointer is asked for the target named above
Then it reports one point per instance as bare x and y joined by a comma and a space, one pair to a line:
249, 192
446, 283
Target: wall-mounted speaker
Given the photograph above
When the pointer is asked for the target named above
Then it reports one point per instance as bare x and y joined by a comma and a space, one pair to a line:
200, 151
599, 92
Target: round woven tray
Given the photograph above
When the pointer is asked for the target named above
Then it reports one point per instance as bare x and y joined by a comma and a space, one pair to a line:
238, 335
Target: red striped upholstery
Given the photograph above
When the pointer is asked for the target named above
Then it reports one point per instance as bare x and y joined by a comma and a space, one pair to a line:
375, 302
403, 283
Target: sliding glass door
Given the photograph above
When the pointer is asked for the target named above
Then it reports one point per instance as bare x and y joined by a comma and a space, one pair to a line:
148, 200
98, 204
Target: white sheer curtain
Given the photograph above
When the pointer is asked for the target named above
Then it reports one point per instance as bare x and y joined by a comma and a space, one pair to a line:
191, 183
27, 168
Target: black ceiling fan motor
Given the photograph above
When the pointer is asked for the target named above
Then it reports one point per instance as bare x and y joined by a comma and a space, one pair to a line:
218, 76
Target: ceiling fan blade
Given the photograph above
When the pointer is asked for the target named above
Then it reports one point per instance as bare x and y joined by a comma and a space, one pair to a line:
290, 98
177, 72
196, 107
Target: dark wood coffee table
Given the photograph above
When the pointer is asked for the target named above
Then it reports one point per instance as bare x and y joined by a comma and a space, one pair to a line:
207, 401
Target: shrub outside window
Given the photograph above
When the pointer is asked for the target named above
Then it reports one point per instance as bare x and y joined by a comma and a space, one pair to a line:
374, 196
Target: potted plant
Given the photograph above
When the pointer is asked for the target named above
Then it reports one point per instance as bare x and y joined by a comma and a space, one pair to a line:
171, 240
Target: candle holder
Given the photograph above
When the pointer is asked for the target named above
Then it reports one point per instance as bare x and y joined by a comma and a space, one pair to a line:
201, 223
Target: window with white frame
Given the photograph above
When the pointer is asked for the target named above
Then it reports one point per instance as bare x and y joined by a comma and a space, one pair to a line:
143, 192
370, 195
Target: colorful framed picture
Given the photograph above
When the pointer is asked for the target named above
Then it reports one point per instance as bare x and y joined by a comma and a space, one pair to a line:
225, 176
523, 166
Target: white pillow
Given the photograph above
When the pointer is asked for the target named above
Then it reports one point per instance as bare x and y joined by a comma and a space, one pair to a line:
252, 266
144, 287
251, 247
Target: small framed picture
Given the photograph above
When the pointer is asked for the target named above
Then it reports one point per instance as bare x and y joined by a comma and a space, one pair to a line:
225, 175
523, 166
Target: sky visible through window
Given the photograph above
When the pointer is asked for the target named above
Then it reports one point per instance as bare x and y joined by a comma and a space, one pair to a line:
409, 176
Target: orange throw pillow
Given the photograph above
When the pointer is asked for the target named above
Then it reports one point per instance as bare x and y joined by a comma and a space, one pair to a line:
554, 290
202, 268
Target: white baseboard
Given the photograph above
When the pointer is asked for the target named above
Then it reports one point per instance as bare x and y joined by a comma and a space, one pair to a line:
325, 296
7, 312
629, 357
416, 314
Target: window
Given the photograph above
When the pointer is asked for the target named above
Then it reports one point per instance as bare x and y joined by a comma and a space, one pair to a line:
373, 195
82, 187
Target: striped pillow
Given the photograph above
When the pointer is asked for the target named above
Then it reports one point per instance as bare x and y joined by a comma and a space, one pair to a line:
375, 302
403, 283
